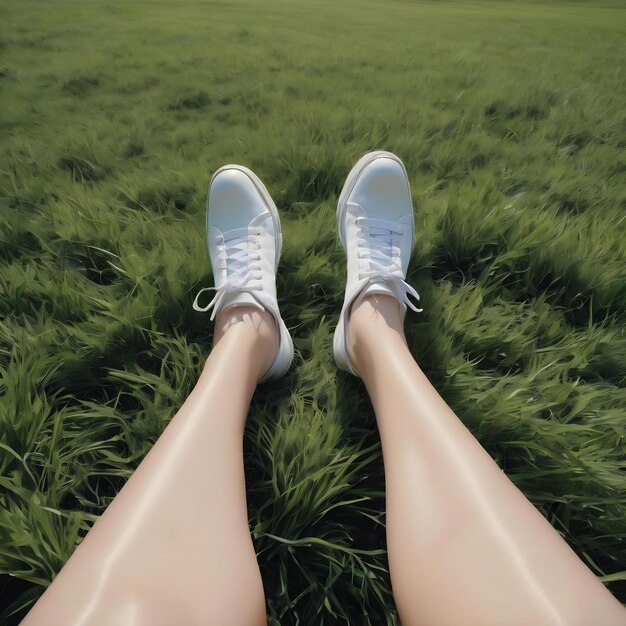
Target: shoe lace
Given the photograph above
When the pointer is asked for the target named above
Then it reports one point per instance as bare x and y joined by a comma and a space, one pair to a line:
378, 249
238, 254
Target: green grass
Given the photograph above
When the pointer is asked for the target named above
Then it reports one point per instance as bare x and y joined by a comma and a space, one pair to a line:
510, 120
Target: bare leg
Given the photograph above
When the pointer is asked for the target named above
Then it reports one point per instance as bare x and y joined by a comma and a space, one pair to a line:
465, 545
174, 546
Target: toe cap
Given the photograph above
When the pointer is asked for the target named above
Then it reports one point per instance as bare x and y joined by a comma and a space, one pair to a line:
382, 189
233, 200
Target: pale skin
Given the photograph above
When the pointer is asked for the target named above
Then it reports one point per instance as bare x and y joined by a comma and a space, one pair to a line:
174, 546
465, 545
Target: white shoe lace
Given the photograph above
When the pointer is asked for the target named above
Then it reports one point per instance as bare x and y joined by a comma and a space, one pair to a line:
238, 254
378, 249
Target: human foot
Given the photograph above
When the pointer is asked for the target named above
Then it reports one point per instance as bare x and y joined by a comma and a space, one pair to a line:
375, 219
245, 242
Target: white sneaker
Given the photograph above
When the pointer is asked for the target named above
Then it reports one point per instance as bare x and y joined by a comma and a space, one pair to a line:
245, 242
375, 219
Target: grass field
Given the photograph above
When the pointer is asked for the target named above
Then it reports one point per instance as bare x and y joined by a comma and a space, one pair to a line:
510, 119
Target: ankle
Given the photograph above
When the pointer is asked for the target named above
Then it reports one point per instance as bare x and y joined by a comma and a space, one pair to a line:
256, 328
372, 319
